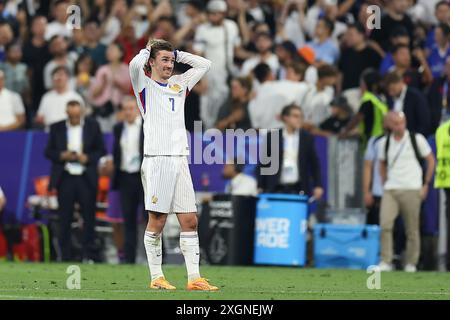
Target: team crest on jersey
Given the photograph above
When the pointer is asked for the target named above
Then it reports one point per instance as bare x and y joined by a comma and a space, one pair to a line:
175, 87
154, 199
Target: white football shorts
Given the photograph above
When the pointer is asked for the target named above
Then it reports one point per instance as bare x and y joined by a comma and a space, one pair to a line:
167, 184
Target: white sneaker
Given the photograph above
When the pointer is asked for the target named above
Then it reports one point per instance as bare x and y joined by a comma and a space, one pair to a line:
410, 268
385, 266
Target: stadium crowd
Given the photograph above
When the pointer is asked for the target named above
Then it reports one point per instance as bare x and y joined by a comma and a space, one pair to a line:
341, 63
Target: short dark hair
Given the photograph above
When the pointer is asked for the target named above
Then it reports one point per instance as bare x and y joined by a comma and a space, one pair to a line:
245, 82
445, 28
372, 79
399, 47
261, 72
328, 23
327, 70
61, 68
392, 78
299, 68
358, 27
73, 103
159, 45
286, 111
440, 3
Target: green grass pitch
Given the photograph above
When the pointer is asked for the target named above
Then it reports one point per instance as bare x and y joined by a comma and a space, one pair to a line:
48, 281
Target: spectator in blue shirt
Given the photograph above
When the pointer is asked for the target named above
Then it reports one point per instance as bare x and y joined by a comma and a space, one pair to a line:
324, 47
399, 36
440, 51
442, 14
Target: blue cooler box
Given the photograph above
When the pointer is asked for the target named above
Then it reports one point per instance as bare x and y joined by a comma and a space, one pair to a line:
346, 246
280, 229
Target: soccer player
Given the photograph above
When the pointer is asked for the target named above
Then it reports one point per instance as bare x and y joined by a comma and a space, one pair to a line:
165, 173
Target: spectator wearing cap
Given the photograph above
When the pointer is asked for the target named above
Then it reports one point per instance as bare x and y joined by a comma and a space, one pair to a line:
372, 109
216, 40
299, 167
264, 46
323, 45
308, 57
52, 107
341, 113
240, 184
12, 111
357, 57
287, 54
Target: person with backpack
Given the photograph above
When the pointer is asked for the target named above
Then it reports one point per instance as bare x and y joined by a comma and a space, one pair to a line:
404, 187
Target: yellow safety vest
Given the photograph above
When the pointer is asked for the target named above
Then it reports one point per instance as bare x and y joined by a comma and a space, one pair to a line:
442, 176
379, 110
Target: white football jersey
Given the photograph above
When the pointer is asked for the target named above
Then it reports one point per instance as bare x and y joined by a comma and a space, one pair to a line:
162, 106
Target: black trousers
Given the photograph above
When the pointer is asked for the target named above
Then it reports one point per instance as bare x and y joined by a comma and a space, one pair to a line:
78, 189
131, 196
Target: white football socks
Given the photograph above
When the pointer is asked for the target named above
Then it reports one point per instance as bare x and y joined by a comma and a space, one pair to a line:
153, 248
189, 245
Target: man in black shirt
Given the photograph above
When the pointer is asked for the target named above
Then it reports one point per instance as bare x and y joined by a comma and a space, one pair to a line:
395, 16
357, 57
341, 113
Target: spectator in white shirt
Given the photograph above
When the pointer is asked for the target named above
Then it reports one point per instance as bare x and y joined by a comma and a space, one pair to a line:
216, 40
12, 111
264, 46
404, 187
318, 97
60, 25
52, 107
58, 46
271, 96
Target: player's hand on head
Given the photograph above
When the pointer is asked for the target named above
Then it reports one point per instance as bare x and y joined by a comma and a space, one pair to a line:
149, 45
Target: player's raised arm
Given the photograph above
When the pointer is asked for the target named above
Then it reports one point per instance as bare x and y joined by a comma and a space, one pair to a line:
137, 73
199, 68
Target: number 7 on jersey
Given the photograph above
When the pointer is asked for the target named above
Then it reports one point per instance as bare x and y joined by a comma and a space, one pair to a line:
172, 100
